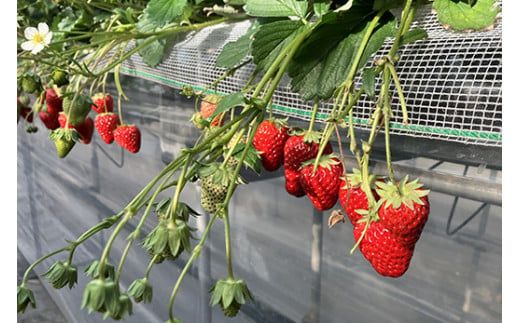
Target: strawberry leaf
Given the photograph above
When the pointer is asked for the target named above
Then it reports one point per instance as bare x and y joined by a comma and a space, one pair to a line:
227, 102
270, 39
369, 82
461, 15
276, 8
234, 52
162, 12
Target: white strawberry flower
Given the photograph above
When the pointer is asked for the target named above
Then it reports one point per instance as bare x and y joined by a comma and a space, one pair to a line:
37, 39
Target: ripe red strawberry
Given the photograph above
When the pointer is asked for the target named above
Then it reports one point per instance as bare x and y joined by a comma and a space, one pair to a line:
86, 130
269, 140
297, 150
128, 137
405, 207
352, 197
384, 250
208, 106
49, 120
54, 101
103, 102
292, 182
105, 124
322, 184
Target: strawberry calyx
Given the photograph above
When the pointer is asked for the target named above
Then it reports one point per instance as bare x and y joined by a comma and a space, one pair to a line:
311, 136
395, 194
279, 123
69, 134
325, 161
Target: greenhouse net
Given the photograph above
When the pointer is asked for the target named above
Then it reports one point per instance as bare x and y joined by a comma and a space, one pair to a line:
451, 81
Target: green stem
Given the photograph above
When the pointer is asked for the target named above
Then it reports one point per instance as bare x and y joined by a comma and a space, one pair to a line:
227, 233
313, 115
150, 266
195, 254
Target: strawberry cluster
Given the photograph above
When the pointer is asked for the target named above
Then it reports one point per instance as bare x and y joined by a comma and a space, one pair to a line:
388, 233
297, 153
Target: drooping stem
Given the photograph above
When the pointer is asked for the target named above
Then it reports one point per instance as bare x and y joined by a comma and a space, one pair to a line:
194, 255
313, 115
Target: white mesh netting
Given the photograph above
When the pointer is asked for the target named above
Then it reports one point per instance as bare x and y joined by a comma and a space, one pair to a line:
452, 81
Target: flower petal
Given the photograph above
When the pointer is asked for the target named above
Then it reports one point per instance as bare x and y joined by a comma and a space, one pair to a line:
37, 48
48, 38
28, 45
43, 28
29, 32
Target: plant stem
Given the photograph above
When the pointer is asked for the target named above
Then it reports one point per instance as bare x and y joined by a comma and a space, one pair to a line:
194, 255
313, 115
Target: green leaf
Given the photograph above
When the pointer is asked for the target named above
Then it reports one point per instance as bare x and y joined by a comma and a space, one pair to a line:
234, 52
153, 54
162, 12
229, 101
270, 39
369, 82
319, 73
321, 7
276, 8
413, 35
462, 16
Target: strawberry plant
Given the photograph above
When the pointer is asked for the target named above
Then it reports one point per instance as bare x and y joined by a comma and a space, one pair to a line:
323, 47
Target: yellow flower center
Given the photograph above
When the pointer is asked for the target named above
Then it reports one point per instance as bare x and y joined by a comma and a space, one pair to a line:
38, 38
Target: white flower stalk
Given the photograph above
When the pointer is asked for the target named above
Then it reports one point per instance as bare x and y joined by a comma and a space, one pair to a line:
37, 39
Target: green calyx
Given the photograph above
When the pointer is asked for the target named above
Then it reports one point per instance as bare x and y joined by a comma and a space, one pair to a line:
183, 210
325, 161
355, 179
230, 294
24, 298
93, 270
64, 140
169, 239
103, 296
198, 121
212, 98
141, 290
311, 136
77, 109
402, 192
61, 274
279, 123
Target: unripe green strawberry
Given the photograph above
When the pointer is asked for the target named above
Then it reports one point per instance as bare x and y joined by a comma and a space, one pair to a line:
64, 140
31, 83
78, 110
211, 194
59, 77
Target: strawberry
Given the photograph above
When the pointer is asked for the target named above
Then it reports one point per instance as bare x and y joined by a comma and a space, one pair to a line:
86, 130
269, 140
405, 207
352, 197
299, 149
49, 120
103, 102
322, 184
105, 124
128, 137
292, 182
207, 108
64, 140
384, 250
54, 101
211, 194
